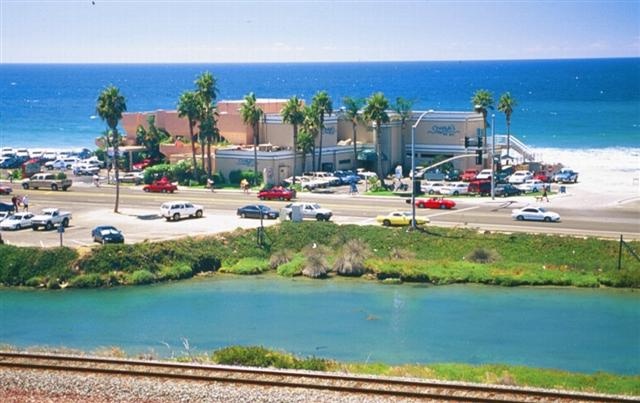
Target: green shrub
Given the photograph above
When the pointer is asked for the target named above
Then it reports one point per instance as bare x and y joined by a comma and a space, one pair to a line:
293, 267
36, 281
236, 176
175, 272
139, 277
249, 265
482, 255
254, 356
92, 280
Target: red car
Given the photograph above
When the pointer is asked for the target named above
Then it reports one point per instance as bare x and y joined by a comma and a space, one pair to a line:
5, 190
161, 186
140, 166
469, 175
276, 192
434, 202
542, 176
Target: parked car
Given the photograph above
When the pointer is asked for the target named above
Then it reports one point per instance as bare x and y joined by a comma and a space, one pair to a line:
62, 163
400, 218
107, 234
566, 176
531, 185
542, 176
366, 175
469, 175
480, 187
431, 187
175, 210
455, 189
49, 218
85, 169
276, 193
520, 177
452, 176
6, 207
330, 179
11, 162
131, 177
5, 190
506, 189
535, 213
4, 215
434, 202
308, 210
483, 175
258, 211
140, 166
161, 186
17, 221
346, 177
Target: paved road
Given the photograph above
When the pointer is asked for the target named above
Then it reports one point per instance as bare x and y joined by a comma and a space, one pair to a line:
140, 221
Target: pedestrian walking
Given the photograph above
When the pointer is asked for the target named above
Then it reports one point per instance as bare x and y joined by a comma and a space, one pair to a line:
25, 203
14, 200
244, 185
545, 196
353, 189
210, 183
96, 180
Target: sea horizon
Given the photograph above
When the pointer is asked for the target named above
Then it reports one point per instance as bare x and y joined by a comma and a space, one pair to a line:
590, 103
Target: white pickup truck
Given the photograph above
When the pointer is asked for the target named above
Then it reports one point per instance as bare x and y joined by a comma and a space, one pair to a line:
49, 218
308, 210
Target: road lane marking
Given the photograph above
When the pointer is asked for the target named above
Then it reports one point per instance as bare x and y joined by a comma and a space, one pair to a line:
448, 212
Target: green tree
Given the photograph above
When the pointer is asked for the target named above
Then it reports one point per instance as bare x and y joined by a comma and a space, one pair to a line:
375, 111
251, 114
110, 106
189, 107
293, 113
207, 93
506, 105
322, 105
305, 144
352, 108
151, 138
482, 101
403, 107
311, 125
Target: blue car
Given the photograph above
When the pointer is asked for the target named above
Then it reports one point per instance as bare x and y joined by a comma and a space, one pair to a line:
347, 177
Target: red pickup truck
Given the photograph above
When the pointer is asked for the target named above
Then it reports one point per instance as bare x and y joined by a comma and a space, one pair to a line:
161, 186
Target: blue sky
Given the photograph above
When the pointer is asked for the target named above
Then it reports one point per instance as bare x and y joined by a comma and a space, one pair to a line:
145, 31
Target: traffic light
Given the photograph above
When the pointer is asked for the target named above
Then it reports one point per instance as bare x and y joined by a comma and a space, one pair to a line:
466, 142
478, 157
479, 141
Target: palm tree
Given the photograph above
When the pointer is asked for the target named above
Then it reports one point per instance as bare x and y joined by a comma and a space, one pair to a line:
376, 111
189, 106
293, 113
109, 107
305, 144
322, 105
207, 93
403, 108
311, 125
506, 105
251, 115
481, 101
352, 112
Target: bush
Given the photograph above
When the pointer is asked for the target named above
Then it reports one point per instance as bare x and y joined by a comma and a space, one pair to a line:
140, 277
254, 356
482, 255
293, 267
91, 280
235, 177
175, 272
249, 265
35, 282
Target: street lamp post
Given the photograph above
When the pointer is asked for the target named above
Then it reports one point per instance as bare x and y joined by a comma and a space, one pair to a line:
413, 167
493, 156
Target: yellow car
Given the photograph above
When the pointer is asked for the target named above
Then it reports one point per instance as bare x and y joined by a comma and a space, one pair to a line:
400, 218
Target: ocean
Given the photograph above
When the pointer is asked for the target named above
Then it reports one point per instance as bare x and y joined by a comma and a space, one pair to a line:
562, 104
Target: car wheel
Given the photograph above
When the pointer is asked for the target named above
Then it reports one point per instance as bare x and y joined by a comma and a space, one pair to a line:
431, 192
146, 189
54, 187
243, 215
290, 216
547, 219
65, 222
442, 207
281, 198
456, 193
420, 205
386, 223
520, 218
199, 213
25, 186
48, 226
18, 226
176, 217
261, 197
164, 190
319, 217
34, 227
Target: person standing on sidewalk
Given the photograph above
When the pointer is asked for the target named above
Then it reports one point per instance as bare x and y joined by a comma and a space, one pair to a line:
25, 203
211, 184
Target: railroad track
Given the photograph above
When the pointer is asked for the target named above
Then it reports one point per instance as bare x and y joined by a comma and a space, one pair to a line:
401, 388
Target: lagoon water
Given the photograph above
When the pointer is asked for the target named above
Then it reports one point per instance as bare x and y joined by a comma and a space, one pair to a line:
350, 320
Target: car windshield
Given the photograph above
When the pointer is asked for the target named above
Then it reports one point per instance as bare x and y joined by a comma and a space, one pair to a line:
109, 231
316, 206
263, 207
542, 210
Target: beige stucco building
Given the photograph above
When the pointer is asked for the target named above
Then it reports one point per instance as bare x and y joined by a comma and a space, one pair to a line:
437, 134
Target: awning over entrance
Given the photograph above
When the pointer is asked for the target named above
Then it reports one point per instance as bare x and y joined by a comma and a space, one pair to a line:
370, 155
